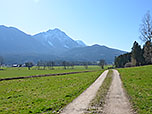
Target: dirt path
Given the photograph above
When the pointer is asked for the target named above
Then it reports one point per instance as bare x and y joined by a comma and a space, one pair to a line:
80, 104
116, 100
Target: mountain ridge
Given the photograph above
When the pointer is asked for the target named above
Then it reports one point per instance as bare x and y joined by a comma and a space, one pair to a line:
93, 53
19, 47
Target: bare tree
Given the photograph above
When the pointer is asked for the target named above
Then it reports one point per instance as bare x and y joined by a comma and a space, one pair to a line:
29, 65
102, 63
146, 36
64, 64
146, 28
40, 64
1, 61
85, 64
72, 65
50, 64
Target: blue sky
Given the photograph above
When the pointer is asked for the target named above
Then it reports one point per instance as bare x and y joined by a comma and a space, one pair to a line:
114, 23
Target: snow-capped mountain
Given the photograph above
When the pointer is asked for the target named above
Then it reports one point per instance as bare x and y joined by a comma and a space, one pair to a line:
53, 45
57, 39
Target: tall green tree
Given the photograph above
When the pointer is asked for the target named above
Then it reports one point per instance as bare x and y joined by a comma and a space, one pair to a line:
137, 54
121, 60
148, 52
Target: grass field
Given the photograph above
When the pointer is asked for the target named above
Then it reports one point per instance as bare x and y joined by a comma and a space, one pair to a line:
138, 83
42, 95
17, 72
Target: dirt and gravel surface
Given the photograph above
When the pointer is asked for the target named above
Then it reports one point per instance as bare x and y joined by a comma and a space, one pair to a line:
80, 104
116, 99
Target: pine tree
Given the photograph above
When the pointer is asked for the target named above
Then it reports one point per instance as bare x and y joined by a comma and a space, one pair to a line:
121, 60
137, 55
148, 52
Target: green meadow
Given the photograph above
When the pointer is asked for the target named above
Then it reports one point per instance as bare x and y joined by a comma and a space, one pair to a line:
43, 94
23, 71
138, 83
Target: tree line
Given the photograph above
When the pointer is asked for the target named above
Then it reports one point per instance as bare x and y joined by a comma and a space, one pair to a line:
139, 56
42, 65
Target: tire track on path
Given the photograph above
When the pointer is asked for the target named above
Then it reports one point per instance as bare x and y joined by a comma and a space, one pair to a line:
81, 103
116, 99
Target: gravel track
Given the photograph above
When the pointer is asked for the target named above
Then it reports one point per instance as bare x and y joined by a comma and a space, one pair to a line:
116, 99
81, 103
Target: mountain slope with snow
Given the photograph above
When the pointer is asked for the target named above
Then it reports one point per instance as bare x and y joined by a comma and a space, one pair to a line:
82, 44
57, 39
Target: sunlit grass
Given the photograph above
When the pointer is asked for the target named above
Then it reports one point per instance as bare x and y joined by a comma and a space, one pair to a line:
138, 83
45, 94
23, 71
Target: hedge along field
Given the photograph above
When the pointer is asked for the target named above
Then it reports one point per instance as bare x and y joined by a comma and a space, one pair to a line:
138, 83
22, 71
44, 94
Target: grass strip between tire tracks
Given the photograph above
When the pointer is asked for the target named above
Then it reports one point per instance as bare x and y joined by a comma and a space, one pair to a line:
97, 103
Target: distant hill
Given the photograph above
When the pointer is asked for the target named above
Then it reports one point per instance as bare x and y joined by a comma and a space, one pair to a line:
14, 41
19, 47
92, 53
